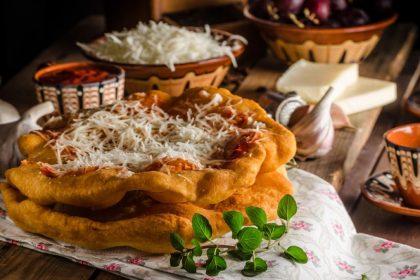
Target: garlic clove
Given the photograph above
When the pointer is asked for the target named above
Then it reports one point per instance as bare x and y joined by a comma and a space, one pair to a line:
314, 132
340, 119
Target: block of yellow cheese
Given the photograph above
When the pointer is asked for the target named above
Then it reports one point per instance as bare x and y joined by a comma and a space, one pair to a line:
312, 80
366, 94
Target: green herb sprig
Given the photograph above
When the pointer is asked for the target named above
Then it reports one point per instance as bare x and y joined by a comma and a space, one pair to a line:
249, 241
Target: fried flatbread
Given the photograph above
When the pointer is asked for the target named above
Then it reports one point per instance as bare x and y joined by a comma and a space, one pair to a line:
138, 221
101, 187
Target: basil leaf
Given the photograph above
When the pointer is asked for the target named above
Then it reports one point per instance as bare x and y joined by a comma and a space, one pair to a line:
254, 268
177, 242
235, 221
202, 228
297, 254
287, 207
212, 252
249, 239
273, 231
189, 264
364, 277
215, 265
197, 251
175, 259
257, 216
241, 256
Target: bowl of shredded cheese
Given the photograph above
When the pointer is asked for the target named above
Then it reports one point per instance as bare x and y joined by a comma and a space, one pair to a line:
166, 57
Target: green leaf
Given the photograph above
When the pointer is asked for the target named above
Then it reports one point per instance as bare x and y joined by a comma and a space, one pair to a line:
297, 254
177, 242
189, 264
254, 268
175, 259
238, 255
197, 251
249, 239
215, 265
287, 207
235, 221
273, 231
364, 277
257, 216
212, 251
202, 228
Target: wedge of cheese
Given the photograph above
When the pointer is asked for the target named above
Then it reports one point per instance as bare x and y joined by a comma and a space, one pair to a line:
312, 80
367, 94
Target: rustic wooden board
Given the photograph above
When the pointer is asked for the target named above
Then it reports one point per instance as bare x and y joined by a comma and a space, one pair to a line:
103, 275
373, 148
17, 263
368, 218
385, 62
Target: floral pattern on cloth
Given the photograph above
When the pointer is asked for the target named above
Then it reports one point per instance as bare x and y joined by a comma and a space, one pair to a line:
385, 246
321, 227
404, 272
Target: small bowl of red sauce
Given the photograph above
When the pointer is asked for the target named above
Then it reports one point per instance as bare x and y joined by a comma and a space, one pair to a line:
79, 85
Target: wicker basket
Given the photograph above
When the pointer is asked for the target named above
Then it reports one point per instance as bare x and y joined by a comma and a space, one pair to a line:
326, 45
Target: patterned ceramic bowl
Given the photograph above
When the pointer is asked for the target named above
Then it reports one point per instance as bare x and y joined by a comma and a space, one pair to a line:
145, 77
79, 85
403, 147
326, 45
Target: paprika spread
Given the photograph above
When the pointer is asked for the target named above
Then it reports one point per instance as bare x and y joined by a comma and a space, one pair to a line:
82, 74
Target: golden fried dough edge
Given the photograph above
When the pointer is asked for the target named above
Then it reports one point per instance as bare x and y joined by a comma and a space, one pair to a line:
148, 233
105, 187
280, 143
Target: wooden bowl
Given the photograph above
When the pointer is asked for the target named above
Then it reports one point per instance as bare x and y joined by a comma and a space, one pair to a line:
326, 45
73, 96
145, 77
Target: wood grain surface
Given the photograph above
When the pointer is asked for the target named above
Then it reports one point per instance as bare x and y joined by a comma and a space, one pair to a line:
356, 154
386, 62
366, 217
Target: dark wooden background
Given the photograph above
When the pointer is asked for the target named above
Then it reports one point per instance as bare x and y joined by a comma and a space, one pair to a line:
28, 27
356, 155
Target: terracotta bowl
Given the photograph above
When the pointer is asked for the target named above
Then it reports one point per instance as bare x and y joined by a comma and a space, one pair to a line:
326, 45
101, 84
403, 148
144, 77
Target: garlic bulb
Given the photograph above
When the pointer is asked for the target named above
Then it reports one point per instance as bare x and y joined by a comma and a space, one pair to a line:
314, 132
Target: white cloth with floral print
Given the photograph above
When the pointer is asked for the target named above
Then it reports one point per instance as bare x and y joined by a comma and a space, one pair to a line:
322, 227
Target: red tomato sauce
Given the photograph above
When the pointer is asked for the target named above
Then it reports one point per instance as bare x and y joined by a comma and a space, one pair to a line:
75, 76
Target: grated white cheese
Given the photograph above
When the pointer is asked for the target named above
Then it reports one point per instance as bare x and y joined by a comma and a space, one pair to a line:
132, 136
161, 43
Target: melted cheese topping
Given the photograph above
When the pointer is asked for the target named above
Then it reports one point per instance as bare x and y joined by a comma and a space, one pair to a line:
132, 136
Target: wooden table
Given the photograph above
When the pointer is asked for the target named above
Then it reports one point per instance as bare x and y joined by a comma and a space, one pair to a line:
357, 154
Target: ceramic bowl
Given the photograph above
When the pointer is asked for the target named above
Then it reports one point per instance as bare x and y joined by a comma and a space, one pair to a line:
325, 45
72, 93
403, 148
145, 77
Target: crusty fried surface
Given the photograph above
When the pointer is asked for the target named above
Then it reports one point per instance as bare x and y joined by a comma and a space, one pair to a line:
105, 187
138, 221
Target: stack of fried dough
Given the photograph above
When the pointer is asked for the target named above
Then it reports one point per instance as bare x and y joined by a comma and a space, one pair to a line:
102, 207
